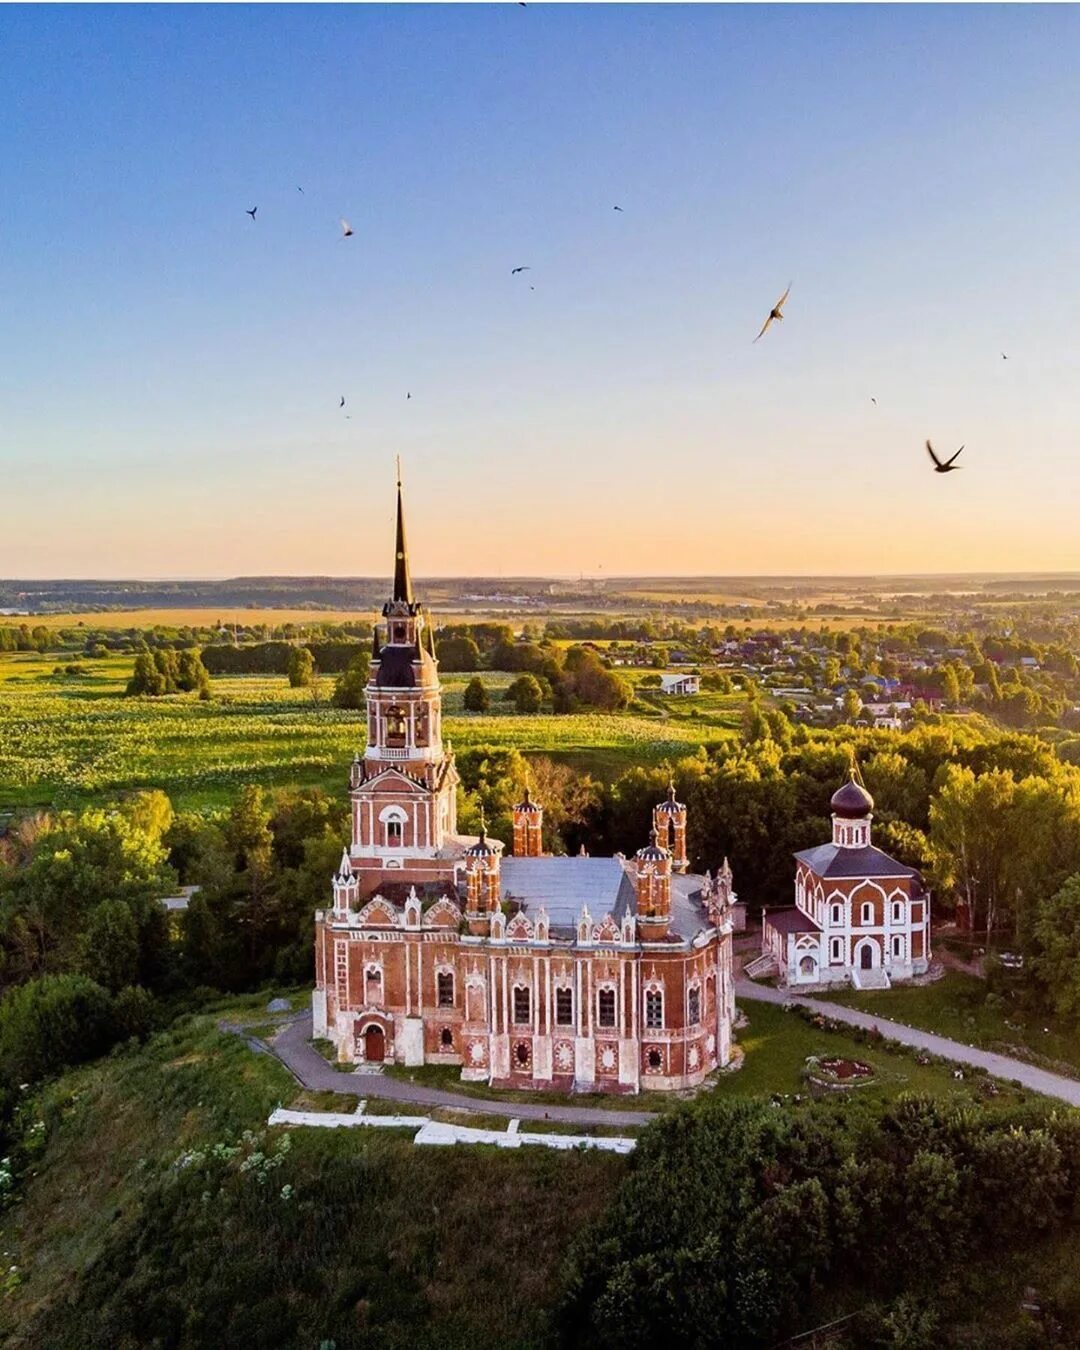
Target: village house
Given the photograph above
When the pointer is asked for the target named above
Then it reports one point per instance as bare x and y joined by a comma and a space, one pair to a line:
527, 970
680, 684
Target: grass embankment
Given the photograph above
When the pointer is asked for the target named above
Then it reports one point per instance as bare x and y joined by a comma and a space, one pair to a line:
65, 739
356, 1237
960, 1006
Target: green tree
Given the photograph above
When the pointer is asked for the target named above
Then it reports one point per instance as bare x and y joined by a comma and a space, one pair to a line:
50, 1023
192, 676
1057, 931
458, 652
110, 945
350, 686
300, 668
476, 696
526, 694
850, 705
146, 678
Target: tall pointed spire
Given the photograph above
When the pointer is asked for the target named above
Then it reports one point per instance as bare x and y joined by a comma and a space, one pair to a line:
402, 580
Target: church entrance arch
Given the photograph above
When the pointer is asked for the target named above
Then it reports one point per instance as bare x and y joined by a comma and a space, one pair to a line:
868, 955
374, 1044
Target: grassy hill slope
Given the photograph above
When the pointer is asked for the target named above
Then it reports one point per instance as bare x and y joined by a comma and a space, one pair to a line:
161, 1212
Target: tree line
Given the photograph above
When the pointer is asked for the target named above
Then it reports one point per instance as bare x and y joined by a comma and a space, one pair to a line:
743, 1224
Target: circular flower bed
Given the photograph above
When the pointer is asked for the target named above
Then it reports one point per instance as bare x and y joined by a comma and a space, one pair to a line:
845, 1068
836, 1074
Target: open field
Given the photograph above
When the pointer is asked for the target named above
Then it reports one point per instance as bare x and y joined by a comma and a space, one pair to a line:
66, 738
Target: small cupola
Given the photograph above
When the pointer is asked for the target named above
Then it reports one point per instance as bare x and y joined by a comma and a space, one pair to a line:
528, 827
482, 874
669, 823
852, 811
653, 886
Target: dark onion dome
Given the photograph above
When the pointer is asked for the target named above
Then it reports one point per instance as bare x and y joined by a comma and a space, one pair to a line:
397, 667
652, 852
527, 806
852, 802
670, 807
481, 849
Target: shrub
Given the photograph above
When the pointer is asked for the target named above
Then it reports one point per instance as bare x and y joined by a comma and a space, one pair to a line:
52, 1022
477, 698
301, 668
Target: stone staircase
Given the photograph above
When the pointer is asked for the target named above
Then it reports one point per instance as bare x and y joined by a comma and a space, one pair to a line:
870, 979
762, 967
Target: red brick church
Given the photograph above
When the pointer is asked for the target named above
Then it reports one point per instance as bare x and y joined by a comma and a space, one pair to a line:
528, 970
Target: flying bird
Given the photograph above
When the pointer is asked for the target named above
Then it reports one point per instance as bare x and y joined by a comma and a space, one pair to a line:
299, 188
346, 228
408, 395
774, 313
251, 213
873, 400
1004, 357
342, 403
948, 465
515, 270
616, 208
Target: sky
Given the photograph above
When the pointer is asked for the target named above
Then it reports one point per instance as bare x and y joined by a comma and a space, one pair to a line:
170, 370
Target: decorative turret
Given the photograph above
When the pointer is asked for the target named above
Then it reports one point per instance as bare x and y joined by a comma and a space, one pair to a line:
346, 889
528, 828
482, 881
669, 822
852, 811
653, 879
721, 896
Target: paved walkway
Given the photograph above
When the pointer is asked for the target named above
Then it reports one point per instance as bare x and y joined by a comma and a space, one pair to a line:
1001, 1066
292, 1046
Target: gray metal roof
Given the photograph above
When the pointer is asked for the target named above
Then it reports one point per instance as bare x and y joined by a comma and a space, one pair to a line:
830, 860
563, 885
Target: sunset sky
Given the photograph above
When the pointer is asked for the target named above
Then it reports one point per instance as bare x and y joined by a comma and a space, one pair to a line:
170, 371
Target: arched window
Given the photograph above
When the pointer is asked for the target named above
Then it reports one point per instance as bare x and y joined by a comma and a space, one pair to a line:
867, 912
373, 985
564, 1007
898, 945
395, 831
445, 983
396, 725
898, 911
605, 1008
693, 1007
837, 914
836, 950
446, 1038
654, 1008
522, 1005
655, 1060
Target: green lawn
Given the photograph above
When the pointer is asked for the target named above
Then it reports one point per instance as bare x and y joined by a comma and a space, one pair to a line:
956, 1006
776, 1045
65, 739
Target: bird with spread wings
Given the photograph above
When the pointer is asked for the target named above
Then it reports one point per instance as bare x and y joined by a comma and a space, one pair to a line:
943, 466
774, 313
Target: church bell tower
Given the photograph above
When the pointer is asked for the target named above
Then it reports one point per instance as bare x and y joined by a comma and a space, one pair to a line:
404, 788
